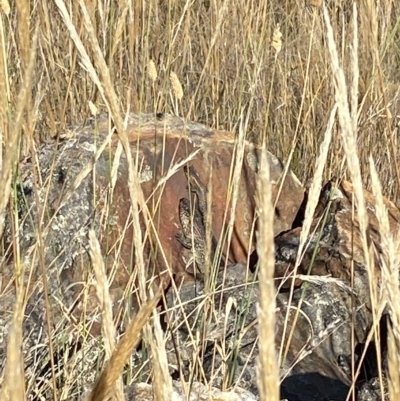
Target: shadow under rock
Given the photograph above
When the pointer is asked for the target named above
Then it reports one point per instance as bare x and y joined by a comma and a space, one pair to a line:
313, 387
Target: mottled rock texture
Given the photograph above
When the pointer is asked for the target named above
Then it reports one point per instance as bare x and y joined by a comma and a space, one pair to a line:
68, 186
321, 326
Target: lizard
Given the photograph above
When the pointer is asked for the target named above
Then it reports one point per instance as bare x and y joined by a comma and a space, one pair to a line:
193, 216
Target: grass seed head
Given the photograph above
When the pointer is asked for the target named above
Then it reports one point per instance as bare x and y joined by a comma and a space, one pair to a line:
176, 86
277, 39
152, 71
93, 109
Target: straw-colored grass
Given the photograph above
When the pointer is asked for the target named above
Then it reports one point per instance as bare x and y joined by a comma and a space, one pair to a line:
268, 372
108, 327
277, 73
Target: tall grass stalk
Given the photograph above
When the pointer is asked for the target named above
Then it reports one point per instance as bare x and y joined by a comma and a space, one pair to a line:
14, 382
103, 295
268, 372
348, 124
313, 198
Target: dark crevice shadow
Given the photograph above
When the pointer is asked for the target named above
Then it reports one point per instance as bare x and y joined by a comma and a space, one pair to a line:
313, 387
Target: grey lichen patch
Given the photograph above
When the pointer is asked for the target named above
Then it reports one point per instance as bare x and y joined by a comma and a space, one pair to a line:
198, 129
195, 141
40, 202
146, 174
274, 160
252, 161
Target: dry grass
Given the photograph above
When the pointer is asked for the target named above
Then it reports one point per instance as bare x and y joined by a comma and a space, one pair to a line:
274, 72
108, 327
113, 370
268, 372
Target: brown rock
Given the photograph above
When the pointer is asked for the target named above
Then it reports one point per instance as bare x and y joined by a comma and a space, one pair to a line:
158, 145
317, 356
335, 269
169, 141
335, 243
59, 196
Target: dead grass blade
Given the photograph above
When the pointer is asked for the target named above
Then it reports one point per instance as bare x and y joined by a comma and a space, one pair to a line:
136, 195
5, 6
355, 72
348, 134
79, 45
268, 372
14, 383
393, 362
313, 198
11, 155
162, 382
4, 87
226, 63
107, 91
122, 352
108, 328
135, 190
221, 16
120, 26
316, 185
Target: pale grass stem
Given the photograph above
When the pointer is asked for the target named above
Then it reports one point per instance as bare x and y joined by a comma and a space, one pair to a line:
298, 122
313, 198
393, 361
103, 295
268, 372
14, 383
220, 20
347, 125
224, 59
122, 352
355, 72
162, 382
5, 6
347, 133
233, 188
15, 132
4, 88
120, 25
111, 100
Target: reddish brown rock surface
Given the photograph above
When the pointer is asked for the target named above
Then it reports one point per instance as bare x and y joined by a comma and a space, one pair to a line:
335, 232
59, 183
158, 145
167, 141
